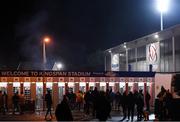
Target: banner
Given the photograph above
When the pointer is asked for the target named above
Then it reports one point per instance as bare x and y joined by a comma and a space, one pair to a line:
115, 62
152, 55
23, 73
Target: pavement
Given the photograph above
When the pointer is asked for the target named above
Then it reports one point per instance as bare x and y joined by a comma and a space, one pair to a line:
77, 115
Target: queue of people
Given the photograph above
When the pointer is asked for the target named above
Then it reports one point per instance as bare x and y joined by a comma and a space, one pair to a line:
100, 104
95, 102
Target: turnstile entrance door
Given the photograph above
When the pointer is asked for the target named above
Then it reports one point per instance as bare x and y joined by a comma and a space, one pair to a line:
39, 95
103, 86
61, 91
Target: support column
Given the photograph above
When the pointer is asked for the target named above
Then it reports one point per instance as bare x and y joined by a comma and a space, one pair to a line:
44, 93
107, 85
136, 59
66, 88
33, 91
76, 87
126, 86
116, 87
98, 85
173, 54
152, 93
87, 86
55, 95
10, 94
145, 89
21, 88
126, 59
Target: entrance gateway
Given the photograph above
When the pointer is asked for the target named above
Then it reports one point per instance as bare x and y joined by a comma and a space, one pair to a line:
34, 84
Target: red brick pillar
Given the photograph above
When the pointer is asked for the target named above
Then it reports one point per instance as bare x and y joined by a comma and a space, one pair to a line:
145, 90
66, 87
21, 88
126, 86
87, 86
44, 93
107, 85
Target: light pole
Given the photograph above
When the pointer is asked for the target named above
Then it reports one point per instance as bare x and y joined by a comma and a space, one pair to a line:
45, 40
162, 6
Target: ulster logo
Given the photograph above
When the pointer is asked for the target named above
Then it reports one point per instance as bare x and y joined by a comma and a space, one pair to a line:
152, 53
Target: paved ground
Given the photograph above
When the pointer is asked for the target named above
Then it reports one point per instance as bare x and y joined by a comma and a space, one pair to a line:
78, 116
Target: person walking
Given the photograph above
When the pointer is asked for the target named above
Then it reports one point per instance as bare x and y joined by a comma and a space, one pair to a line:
15, 100
1, 103
140, 105
124, 105
63, 112
5, 102
48, 100
131, 104
103, 107
21, 102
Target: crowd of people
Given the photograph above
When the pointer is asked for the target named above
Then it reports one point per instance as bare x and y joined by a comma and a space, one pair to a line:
95, 102
163, 105
100, 104
18, 103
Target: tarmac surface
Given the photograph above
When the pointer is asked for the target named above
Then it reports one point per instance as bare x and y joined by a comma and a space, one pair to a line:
77, 115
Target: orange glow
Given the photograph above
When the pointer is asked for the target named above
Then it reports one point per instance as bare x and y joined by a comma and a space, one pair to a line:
46, 39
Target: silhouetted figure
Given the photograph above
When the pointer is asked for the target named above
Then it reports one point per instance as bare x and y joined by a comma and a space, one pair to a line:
5, 102
87, 99
95, 95
48, 100
131, 104
140, 105
15, 100
161, 103
168, 105
103, 107
1, 103
124, 105
79, 99
63, 112
147, 99
118, 98
21, 102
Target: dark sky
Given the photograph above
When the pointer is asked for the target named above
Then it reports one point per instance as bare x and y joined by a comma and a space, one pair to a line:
78, 28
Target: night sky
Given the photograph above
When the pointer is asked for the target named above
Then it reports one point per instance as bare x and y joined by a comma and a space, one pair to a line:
80, 29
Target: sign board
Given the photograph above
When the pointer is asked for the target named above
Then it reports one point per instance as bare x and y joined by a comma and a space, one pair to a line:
16, 79
92, 79
61, 79
3, 79
152, 55
82, 79
71, 79
27, 79
115, 62
102, 79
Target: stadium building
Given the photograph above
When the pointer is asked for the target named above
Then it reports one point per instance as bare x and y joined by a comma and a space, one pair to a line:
158, 52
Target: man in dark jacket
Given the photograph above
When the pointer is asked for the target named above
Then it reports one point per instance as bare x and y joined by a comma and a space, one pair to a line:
131, 104
48, 100
63, 112
140, 105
